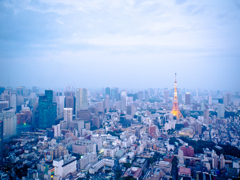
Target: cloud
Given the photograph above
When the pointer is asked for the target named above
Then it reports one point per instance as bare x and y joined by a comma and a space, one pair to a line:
194, 9
59, 21
126, 30
129, 24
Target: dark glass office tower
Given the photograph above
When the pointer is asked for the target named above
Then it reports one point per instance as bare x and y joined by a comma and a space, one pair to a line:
114, 94
107, 91
47, 111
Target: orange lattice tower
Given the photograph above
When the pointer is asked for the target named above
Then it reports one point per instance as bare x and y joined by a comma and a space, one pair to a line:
175, 110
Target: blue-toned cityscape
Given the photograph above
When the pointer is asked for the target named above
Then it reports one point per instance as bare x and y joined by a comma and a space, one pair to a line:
119, 134
119, 90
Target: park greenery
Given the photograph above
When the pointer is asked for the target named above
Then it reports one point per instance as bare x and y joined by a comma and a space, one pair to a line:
200, 145
115, 133
173, 141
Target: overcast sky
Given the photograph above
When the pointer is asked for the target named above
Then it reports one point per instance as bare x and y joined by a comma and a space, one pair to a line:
120, 43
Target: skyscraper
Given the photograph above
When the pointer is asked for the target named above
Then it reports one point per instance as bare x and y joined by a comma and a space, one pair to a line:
9, 123
123, 101
20, 91
13, 101
220, 110
175, 110
96, 121
47, 110
166, 96
81, 98
227, 99
70, 103
114, 94
68, 115
78, 100
107, 91
130, 111
206, 116
187, 98
60, 106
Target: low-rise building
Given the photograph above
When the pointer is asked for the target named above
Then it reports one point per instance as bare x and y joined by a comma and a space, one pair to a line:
89, 158
185, 172
62, 167
110, 151
82, 146
165, 166
140, 162
100, 164
134, 172
154, 174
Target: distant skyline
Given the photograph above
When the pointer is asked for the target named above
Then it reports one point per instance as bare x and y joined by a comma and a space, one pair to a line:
130, 44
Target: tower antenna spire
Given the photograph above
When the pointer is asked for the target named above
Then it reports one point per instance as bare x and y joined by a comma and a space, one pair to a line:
175, 77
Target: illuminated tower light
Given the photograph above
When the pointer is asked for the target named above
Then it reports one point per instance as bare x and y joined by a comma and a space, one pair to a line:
175, 110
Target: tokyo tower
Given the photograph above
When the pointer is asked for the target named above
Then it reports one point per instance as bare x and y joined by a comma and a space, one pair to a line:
175, 110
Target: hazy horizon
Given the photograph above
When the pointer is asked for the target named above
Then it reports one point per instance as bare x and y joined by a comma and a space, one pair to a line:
126, 44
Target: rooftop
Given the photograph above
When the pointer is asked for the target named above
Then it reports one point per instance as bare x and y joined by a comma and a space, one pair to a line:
184, 170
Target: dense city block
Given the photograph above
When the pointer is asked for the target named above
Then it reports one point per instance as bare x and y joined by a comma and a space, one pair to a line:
147, 134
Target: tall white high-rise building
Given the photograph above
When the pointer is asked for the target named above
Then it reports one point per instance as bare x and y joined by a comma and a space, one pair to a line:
123, 101
9, 122
57, 130
81, 98
60, 106
210, 100
220, 110
13, 101
227, 99
68, 115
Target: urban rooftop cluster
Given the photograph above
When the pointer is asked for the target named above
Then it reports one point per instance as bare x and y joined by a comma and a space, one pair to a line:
148, 134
